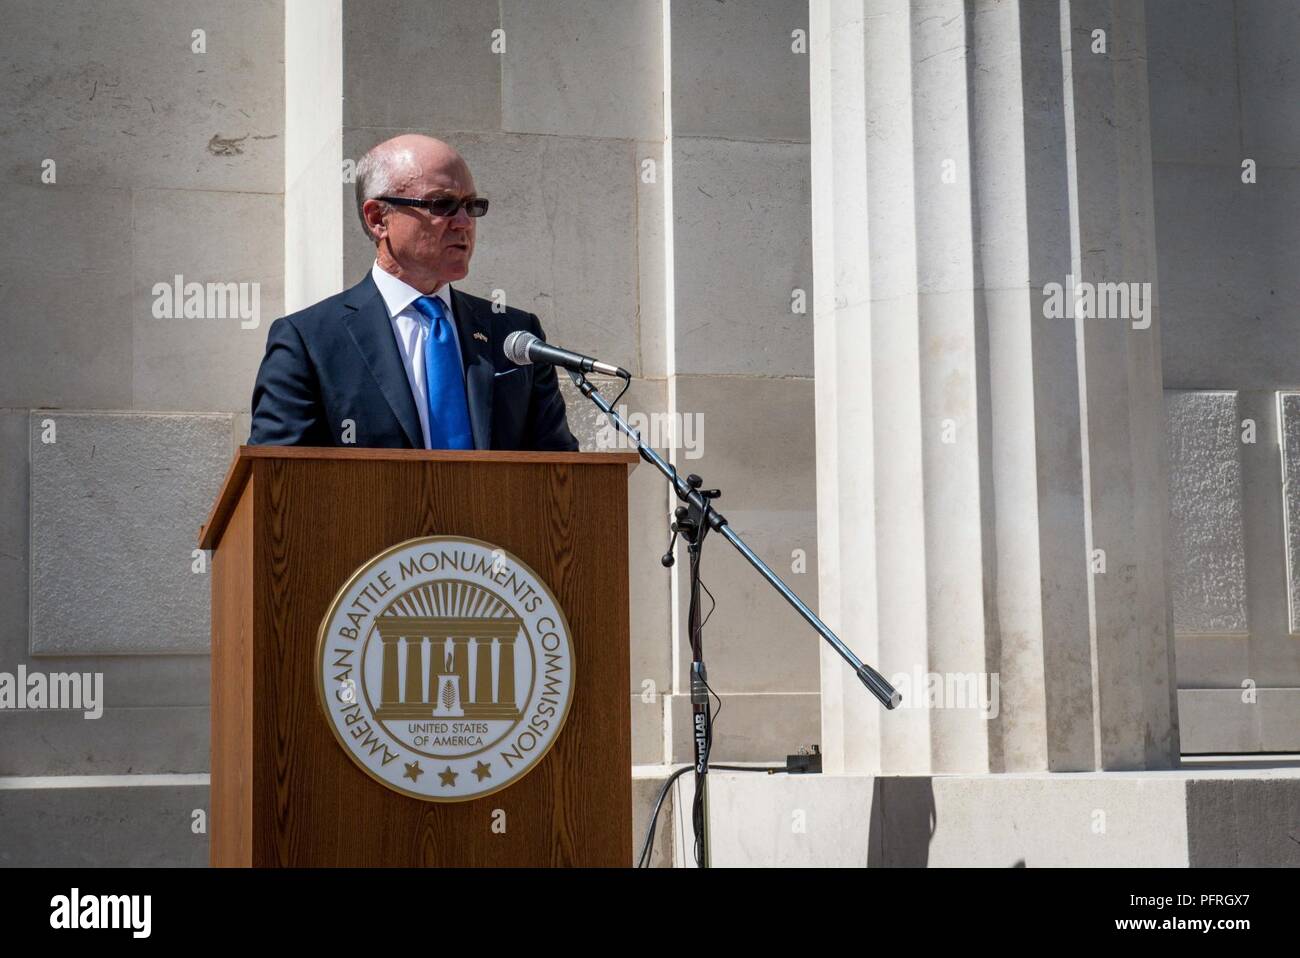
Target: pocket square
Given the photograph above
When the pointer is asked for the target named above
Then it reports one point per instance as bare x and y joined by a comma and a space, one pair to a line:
507, 372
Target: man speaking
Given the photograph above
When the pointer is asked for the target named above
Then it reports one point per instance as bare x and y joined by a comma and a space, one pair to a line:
401, 359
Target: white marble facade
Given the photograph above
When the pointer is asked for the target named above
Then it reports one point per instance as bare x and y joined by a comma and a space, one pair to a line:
822, 236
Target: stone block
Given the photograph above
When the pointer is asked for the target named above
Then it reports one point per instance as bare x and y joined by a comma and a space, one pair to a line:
1244, 821
1192, 65
1226, 303
1110, 819
741, 247
421, 66
735, 72
164, 680
1217, 722
1207, 540
67, 308
1255, 722
118, 97
749, 727
1266, 35
137, 821
765, 465
583, 68
785, 821
208, 363
647, 729
116, 503
14, 580
122, 741
1289, 429
647, 782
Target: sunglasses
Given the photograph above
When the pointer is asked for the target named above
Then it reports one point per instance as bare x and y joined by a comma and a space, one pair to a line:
442, 205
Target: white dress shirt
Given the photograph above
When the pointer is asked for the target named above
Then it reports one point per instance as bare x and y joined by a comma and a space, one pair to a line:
409, 326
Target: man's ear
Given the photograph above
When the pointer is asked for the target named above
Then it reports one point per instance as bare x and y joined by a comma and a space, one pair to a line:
375, 223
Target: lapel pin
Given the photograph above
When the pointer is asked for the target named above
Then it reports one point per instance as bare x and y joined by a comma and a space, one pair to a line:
480, 336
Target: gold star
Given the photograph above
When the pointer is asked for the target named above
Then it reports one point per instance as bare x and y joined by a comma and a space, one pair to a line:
448, 777
413, 770
483, 771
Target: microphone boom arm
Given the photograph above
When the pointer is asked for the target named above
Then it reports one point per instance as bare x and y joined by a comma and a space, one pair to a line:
876, 684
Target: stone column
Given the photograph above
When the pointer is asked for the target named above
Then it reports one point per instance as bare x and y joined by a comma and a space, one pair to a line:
316, 210
974, 452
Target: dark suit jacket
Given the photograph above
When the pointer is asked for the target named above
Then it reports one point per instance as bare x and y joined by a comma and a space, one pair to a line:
338, 360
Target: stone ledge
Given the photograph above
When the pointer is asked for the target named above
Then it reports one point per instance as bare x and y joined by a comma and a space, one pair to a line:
1195, 816
1215, 721
102, 821
1186, 817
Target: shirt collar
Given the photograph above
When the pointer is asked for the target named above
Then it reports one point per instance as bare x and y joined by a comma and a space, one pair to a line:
398, 294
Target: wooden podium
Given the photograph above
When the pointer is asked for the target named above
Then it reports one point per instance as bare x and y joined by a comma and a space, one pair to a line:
289, 528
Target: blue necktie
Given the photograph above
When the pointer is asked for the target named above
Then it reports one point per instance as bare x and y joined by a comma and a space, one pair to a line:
444, 380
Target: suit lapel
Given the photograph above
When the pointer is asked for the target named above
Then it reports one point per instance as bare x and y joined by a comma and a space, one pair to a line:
371, 330
479, 370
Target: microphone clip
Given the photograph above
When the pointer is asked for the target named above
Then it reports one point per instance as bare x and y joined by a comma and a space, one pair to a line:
689, 522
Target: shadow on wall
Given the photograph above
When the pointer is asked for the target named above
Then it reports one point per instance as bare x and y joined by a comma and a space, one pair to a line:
902, 822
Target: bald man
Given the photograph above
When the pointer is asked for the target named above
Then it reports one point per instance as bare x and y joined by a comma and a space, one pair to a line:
403, 359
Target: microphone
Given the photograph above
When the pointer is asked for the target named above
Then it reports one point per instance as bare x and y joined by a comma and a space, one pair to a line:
523, 349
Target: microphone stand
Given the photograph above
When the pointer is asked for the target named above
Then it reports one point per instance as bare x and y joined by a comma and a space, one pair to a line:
694, 521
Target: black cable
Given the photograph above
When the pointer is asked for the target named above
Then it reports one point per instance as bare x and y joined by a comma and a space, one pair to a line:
626, 385
713, 713
767, 769
698, 822
708, 747
697, 640
711, 608
644, 860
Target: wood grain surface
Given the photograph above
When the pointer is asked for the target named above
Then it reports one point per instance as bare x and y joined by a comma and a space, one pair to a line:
231, 791
313, 520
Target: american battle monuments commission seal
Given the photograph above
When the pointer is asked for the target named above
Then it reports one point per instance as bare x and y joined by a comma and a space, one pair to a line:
445, 668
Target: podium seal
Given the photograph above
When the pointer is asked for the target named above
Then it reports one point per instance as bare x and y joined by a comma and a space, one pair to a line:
445, 668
